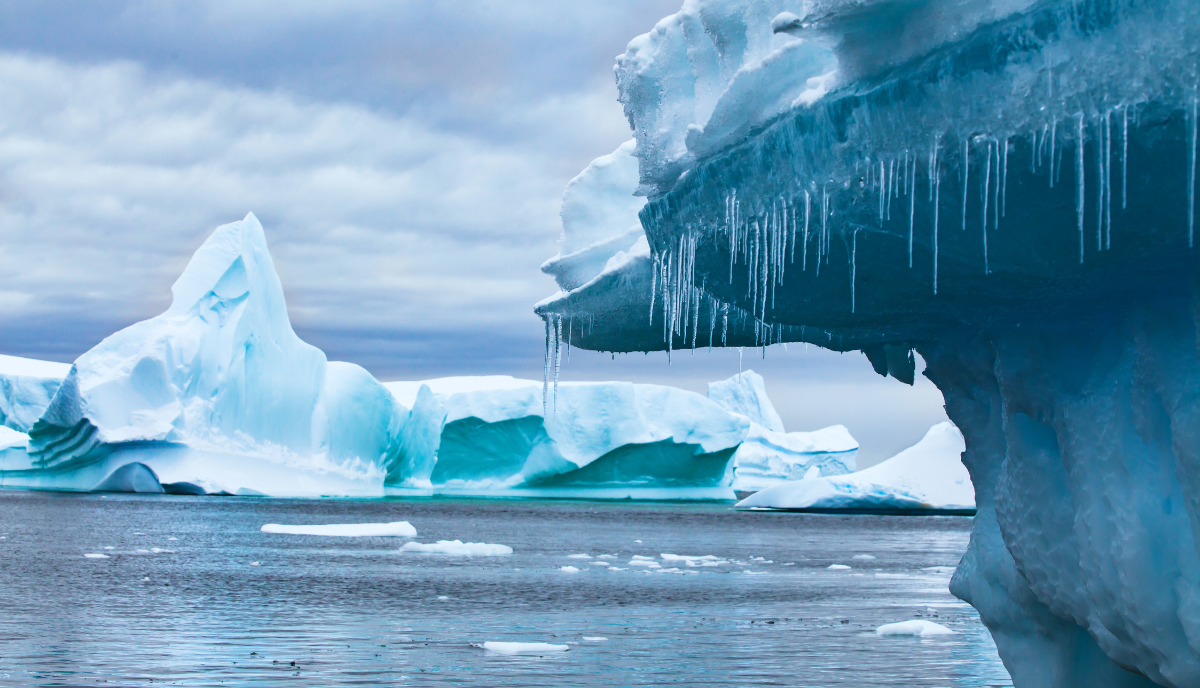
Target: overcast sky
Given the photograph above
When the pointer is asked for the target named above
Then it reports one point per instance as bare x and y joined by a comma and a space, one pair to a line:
406, 159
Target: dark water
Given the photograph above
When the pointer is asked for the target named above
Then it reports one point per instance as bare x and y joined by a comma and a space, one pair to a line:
355, 611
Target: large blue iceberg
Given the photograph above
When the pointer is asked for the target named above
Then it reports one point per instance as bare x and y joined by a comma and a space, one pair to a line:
1006, 187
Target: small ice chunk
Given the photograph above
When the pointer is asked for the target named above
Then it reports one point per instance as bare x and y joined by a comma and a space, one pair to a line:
522, 648
598, 563
647, 564
638, 557
255, 563
139, 533
638, 541
579, 556
607, 556
614, 568
838, 567
146, 579
568, 569
917, 627
109, 547
159, 550
754, 573
142, 551
443, 597
95, 555
394, 529
172, 539
458, 548
594, 638
863, 557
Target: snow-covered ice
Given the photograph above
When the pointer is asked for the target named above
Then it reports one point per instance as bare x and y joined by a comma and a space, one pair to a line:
917, 627
927, 476
509, 648
458, 548
393, 529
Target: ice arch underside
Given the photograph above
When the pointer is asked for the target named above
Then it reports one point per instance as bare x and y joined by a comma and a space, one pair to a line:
1015, 203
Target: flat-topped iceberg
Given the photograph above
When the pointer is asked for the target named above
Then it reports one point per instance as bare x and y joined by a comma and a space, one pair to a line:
216, 392
929, 476
769, 455
498, 436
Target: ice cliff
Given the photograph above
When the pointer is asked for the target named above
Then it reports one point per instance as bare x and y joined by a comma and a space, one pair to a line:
217, 392
26, 387
1006, 187
927, 476
768, 455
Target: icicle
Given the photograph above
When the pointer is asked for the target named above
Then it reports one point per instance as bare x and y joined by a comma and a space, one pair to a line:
1124, 154
882, 192
966, 165
1004, 183
712, 328
654, 286
1107, 180
1053, 137
570, 333
804, 251
911, 177
546, 370
996, 189
1080, 187
987, 182
1100, 186
1191, 194
557, 358
853, 268
821, 248
936, 184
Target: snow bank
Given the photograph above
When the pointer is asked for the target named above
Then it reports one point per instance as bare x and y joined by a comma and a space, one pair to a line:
458, 548
917, 627
501, 436
927, 476
217, 391
26, 387
393, 529
505, 648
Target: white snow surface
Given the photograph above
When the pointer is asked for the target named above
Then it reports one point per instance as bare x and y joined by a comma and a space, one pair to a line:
26, 387
928, 475
218, 391
393, 529
506, 648
917, 627
458, 548
498, 435
769, 455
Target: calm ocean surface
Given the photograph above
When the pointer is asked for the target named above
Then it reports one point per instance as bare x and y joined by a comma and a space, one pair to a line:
321, 611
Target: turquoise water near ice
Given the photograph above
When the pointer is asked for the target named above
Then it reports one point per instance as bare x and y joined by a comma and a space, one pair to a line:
320, 611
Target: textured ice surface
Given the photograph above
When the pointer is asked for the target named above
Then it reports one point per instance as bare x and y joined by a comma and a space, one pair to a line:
768, 455
1006, 187
219, 392
26, 387
393, 529
928, 475
497, 436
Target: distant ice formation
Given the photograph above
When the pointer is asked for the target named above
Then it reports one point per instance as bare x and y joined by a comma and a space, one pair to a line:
497, 436
1006, 188
928, 476
217, 392
769, 456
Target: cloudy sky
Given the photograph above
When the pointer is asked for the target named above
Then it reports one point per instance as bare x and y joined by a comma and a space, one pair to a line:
407, 160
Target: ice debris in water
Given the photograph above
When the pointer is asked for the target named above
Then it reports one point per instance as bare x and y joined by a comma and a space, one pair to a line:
458, 548
917, 627
94, 555
594, 638
393, 529
838, 567
568, 569
508, 648
579, 556
255, 563
864, 557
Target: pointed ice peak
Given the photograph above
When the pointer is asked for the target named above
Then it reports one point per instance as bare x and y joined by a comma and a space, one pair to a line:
745, 393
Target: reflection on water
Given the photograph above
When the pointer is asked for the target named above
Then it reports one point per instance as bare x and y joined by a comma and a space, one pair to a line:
355, 611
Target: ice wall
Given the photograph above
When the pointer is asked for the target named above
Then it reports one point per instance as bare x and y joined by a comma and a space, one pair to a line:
610, 440
217, 391
1008, 188
26, 387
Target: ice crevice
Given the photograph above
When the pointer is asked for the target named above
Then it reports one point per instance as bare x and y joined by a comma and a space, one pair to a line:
1058, 313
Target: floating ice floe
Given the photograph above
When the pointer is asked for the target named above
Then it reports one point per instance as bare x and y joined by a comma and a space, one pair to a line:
594, 638
393, 529
928, 476
458, 548
838, 567
508, 648
917, 627
568, 569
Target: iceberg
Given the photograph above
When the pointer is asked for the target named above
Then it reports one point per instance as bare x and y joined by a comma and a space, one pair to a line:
769, 455
217, 392
929, 476
500, 436
1006, 187
26, 387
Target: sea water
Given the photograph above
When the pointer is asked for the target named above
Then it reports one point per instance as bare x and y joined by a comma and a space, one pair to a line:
192, 593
